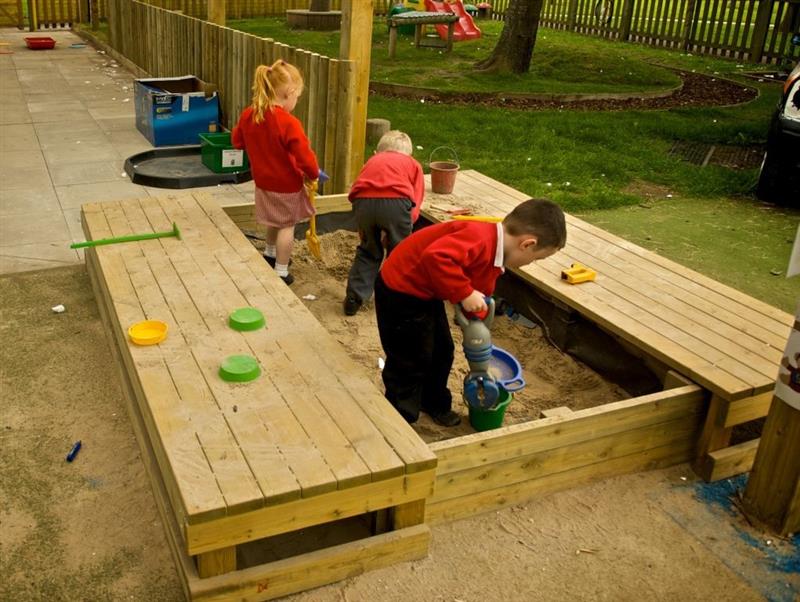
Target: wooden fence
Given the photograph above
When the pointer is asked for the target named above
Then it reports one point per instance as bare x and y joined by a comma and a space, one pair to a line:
50, 14
165, 44
245, 9
752, 30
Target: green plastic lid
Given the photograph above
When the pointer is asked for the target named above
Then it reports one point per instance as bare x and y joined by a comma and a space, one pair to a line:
239, 369
246, 318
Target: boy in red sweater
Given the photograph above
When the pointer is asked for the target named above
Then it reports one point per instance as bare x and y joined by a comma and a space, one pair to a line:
459, 262
386, 198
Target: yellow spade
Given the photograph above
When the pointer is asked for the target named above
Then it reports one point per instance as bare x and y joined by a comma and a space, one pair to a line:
311, 235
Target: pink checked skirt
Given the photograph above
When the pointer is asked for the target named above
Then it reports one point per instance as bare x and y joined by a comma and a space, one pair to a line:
282, 209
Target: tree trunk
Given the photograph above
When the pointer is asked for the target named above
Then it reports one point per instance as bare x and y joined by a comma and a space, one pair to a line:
515, 47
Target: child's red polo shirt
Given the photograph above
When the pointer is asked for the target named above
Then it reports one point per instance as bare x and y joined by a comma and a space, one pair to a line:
447, 261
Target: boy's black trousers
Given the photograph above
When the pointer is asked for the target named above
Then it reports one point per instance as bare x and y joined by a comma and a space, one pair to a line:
415, 335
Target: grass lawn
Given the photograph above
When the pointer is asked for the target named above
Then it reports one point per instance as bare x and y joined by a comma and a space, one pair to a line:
611, 168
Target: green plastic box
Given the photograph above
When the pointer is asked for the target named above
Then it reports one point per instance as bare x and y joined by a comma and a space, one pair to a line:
219, 155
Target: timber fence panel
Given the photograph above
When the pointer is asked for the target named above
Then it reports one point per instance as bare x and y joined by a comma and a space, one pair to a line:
166, 43
755, 30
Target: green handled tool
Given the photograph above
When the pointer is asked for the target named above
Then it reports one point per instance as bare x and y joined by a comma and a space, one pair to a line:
129, 238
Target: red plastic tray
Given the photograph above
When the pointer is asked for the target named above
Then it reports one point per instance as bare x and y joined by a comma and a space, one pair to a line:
40, 43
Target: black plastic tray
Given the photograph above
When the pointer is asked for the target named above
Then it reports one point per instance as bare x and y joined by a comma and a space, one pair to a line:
177, 167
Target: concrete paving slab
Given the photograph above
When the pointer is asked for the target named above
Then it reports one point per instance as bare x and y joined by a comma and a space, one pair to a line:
113, 124
59, 106
24, 178
26, 229
117, 110
28, 201
72, 197
78, 152
87, 173
62, 116
73, 219
21, 159
18, 137
10, 115
22, 258
64, 132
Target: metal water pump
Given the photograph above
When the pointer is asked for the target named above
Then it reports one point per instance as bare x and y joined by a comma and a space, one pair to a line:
480, 388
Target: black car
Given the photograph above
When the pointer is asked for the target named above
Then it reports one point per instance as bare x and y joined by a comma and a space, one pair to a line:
779, 180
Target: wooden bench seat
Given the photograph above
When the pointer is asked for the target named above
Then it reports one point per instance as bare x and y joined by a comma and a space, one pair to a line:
720, 338
309, 442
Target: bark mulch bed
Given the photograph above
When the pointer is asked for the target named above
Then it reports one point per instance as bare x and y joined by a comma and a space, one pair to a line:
698, 90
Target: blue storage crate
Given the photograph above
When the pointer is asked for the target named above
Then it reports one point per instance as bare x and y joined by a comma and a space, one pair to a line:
175, 110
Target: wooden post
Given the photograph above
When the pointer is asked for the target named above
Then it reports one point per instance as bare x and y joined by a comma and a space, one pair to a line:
572, 13
217, 562
216, 12
356, 46
33, 23
95, 9
689, 25
392, 39
773, 491
761, 29
450, 28
625, 21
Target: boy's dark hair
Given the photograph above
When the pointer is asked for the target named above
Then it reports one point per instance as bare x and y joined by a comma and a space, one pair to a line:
540, 217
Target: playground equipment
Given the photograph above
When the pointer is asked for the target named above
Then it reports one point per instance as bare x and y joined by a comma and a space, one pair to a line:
464, 29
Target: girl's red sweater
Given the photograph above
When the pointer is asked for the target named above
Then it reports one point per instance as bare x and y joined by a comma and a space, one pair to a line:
277, 148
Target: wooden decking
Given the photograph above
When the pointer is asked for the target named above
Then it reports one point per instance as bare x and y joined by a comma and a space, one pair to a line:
309, 442
718, 337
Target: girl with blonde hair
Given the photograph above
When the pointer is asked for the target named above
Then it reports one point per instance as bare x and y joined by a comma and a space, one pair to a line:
281, 160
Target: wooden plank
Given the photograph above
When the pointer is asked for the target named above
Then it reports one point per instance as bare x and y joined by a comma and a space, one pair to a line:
745, 410
559, 411
177, 369
216, 296
321, 398
148, 454
192, 487
769, 317
217, 562
521, 492
713, 437
665, 348
314, 569
333, 203
731, 461
526, 467
673, 380
407, 515
773, 490
305, 512
722, 344
410, 448
507, 443
693, 301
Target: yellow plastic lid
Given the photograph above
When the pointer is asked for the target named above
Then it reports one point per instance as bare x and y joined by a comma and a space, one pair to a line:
148, 332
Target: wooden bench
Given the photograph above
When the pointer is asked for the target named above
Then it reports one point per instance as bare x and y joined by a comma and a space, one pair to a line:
310, 442
419, 19
725, 341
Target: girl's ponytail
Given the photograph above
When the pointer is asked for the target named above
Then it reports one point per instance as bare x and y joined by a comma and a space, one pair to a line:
263, 93
267, 80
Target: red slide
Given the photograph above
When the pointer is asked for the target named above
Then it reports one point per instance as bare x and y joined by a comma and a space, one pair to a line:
464, 28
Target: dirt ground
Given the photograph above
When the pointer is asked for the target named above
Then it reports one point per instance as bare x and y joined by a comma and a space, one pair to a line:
697, 90
553, 378
89, 530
